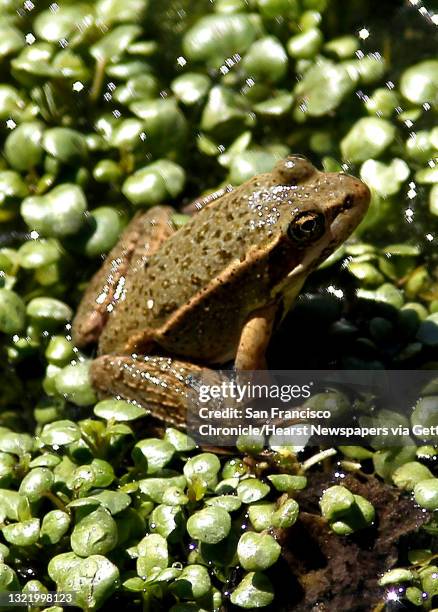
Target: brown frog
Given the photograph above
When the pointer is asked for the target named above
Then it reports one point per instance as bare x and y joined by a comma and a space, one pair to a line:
168, 302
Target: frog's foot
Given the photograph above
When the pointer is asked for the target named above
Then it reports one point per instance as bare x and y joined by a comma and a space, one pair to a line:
163, 385
142, 237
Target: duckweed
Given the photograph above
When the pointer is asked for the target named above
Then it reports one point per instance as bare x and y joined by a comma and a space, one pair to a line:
257, 551
345, 511
426, 493
210, 525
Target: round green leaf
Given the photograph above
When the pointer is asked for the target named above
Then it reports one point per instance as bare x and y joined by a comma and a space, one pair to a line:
210, 525
95, 534
119, 410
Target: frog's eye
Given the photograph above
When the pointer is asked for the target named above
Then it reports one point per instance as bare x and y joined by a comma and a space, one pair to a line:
307, 227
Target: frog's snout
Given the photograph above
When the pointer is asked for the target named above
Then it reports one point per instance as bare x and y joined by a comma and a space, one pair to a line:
356, 197
361, 195
350, 210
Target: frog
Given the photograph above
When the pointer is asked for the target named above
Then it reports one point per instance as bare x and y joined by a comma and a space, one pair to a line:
173, 302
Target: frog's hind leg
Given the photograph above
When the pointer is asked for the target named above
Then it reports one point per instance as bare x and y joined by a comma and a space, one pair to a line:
165, 386
141, 238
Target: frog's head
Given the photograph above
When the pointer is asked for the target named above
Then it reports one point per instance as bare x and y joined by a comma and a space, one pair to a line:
316, 212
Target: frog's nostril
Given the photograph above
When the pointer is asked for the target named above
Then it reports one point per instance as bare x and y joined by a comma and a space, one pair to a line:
348, 202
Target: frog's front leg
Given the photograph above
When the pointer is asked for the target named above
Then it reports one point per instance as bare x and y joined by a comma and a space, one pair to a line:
254, 339
141, 238
161, 384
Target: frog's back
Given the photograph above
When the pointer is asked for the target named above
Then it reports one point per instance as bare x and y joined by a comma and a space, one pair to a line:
189, 262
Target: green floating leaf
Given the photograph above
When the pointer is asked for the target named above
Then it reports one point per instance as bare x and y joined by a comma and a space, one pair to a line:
433, 200
205, 466
286, 515
10, 102
55, 525
12, 187
419, 83
140, 87
190, 87
92, 580
59, 213
254, 591
180, 441
275, 106
323, 88
60, 433
95, 534
113, 501
55, 25
114, 11
428, 176
167, 521
65, 144
8, 579
16, 443
284, 9
426, 493
152, 454
73, 383
34, 63
249, 163
154, 487
192, 583
111, 46
257, 551
25, 533
36, 483
335, 502
154, 183
306, 44
12, 312
47, 310
266, 60
165, 126
210, 525
288, 482
410, 474
368, 137
35, 254
225, 112
11, 40
251, 490
260, 514
119, 410
23, 147
215, 38
230, 503
152, 554
386, 179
